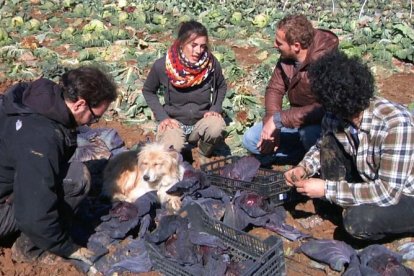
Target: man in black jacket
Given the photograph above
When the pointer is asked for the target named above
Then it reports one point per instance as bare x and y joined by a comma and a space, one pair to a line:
39, 189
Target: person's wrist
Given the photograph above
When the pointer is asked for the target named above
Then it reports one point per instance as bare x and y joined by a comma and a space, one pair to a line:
330, 190
307, 174
277, 119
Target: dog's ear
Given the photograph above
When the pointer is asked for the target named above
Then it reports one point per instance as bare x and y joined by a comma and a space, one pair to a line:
174, 154
177, 157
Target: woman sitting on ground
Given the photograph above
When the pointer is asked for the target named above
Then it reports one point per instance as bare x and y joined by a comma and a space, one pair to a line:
194, 92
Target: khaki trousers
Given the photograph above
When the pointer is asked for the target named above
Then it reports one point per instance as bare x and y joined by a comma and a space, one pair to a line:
209, 130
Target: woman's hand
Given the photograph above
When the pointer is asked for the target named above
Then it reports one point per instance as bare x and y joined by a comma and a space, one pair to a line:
212, 113
168, 123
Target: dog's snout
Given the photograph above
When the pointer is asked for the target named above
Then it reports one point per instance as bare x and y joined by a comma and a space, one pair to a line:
146, 177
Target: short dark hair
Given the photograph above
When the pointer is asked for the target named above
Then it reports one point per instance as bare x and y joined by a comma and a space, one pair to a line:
297, 28
188, 28
343, 85
90, 84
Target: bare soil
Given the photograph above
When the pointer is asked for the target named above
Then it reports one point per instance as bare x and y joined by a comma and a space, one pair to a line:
307, 216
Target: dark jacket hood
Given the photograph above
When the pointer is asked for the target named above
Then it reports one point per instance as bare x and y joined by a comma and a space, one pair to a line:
41, 96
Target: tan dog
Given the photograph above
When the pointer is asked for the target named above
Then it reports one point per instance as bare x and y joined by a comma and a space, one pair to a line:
128, 176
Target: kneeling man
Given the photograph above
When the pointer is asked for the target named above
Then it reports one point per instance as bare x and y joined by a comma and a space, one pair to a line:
365, 156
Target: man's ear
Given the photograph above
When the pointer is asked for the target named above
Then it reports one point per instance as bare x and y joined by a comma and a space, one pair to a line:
78, 104
296, 47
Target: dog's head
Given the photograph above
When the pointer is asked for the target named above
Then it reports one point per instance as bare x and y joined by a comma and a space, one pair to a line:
156, 161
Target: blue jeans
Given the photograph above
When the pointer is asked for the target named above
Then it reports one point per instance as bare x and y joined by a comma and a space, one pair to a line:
294, 143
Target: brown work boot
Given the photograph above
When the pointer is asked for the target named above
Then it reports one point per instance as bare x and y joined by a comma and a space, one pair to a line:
23, 250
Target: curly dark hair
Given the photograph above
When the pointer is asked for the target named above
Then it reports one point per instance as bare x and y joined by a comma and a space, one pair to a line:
297, 28
343, 85
90, 84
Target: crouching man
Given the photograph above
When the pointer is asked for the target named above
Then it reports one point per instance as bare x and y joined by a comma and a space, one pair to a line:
39, 190
365, 156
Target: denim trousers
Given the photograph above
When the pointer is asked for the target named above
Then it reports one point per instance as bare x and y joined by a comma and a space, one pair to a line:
294, 142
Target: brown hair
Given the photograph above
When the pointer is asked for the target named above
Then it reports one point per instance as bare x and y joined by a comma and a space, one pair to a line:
90, 84
297, 28
189, 28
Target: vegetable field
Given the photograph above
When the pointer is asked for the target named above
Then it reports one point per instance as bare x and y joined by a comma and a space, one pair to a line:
46, 37
124, 37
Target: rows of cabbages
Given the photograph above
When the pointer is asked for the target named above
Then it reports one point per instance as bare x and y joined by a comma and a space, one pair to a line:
45, 37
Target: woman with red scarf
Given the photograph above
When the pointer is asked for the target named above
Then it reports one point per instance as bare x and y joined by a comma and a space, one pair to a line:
194, 92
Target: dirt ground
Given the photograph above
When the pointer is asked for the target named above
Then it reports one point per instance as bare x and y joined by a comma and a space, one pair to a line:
307, 215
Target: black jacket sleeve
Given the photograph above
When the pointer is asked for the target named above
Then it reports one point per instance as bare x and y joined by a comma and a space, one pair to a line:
221, 88
151, 86
39, 155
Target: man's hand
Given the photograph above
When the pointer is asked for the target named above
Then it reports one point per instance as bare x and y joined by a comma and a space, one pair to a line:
168, 123
269, 139
294, 175
312, 187
82, 254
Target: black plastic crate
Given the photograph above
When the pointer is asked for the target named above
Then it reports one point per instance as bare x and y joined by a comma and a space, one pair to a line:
267, 256
267, 182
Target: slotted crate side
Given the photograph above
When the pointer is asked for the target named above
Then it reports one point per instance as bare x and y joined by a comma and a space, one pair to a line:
266, 182
268, 265
218, 164
245, 246
268, 258
239, 240
165, 266
273, 265
268, 188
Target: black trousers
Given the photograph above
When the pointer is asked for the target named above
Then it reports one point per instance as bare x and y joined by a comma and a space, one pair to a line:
367, 221
76, 185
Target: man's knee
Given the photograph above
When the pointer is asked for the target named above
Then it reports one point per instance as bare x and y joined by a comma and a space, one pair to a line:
251, 138
246, 139
77, 182
359, 223
8, 225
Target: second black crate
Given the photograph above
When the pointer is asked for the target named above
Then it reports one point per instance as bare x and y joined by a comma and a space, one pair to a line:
267, 182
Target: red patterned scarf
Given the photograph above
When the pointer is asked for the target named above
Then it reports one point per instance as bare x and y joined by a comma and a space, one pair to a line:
182, 73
